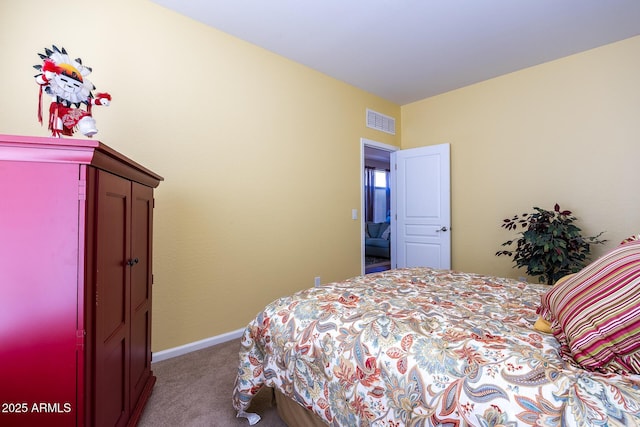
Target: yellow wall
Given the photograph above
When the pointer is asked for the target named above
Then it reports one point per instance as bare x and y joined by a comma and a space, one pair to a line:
567, 131
261, 155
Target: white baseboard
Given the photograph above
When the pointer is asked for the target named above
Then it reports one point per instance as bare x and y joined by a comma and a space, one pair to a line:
197, 345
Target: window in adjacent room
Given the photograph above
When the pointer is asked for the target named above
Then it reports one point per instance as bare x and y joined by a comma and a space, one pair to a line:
377, 195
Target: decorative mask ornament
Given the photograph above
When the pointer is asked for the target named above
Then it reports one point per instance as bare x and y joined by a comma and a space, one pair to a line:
65, 80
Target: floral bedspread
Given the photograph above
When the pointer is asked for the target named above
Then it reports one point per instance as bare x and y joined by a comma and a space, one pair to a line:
423, 347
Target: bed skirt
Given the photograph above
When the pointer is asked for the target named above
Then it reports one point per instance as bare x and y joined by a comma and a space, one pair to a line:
295, 415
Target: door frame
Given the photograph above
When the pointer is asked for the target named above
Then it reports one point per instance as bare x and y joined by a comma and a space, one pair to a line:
364, 142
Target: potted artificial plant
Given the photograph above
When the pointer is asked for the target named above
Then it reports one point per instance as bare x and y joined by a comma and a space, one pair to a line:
550, 245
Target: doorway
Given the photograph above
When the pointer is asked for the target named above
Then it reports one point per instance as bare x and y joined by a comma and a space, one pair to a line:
377, 239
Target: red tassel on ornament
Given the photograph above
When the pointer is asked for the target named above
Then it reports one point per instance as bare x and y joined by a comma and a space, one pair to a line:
40, 104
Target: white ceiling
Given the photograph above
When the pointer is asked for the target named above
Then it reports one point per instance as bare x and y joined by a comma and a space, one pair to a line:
407, 50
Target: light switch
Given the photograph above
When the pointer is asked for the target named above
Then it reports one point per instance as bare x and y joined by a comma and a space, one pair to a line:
354, 213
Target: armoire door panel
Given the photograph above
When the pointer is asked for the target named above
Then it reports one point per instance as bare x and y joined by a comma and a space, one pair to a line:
139, 368
112, 298
111, 409
141, 281
141, 249
113, 252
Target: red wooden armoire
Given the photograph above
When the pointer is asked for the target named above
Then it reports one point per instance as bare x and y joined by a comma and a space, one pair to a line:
76, 221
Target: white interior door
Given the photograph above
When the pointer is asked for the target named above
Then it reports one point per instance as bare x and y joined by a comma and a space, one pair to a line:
421, 187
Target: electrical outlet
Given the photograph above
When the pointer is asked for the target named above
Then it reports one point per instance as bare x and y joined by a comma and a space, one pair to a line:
316, 281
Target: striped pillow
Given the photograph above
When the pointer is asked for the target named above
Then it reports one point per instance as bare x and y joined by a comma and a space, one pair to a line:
595, 315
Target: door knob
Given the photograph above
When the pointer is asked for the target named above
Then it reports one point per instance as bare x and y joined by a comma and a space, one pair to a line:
133, 262
442, 229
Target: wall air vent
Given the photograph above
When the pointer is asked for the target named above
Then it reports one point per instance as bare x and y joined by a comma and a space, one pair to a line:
381, 122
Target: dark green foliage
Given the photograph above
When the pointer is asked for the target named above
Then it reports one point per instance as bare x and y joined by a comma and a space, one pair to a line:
550, 245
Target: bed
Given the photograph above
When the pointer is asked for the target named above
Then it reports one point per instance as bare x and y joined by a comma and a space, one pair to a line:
425, 347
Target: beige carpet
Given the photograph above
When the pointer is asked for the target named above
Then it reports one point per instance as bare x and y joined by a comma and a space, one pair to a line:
194, 390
